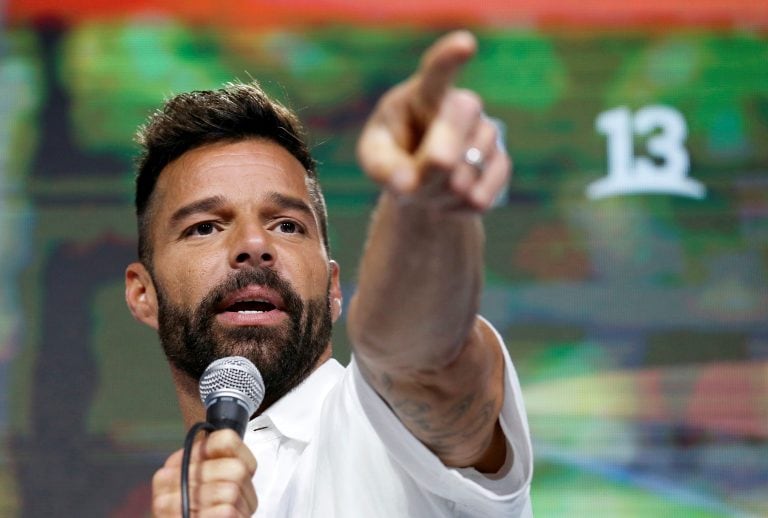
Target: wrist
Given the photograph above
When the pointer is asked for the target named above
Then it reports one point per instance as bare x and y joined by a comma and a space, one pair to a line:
433, 208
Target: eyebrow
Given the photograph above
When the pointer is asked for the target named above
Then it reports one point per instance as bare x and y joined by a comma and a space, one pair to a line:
204, 205
290, 202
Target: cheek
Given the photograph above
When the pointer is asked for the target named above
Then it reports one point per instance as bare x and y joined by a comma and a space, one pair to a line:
309, 275
187, 280
320, 273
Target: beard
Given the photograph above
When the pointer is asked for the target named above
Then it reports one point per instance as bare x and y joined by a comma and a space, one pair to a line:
285, 355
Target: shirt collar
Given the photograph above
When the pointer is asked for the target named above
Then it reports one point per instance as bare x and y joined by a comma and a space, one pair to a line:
295, 414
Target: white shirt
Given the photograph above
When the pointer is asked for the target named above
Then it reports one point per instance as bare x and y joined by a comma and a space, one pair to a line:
332, 448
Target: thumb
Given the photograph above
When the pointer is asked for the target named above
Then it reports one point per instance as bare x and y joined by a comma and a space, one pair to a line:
384, 159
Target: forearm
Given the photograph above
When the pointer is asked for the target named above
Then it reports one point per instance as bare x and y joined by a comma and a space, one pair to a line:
420, 281
413, 322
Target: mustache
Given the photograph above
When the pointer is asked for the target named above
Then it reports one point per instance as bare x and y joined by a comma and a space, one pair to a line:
239, 279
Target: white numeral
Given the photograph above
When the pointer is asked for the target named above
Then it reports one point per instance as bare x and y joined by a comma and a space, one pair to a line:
666, 132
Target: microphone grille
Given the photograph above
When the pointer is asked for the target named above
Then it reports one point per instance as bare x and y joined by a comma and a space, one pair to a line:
233, 373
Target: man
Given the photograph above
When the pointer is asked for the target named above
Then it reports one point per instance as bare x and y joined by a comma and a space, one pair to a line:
427, 420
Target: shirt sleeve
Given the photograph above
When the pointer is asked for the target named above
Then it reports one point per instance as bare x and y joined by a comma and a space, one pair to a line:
506, 493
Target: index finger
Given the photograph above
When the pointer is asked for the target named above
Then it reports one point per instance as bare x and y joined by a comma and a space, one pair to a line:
221, 443
226, 443
439, 67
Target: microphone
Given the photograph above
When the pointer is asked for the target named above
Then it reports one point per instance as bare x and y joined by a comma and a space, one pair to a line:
231, 389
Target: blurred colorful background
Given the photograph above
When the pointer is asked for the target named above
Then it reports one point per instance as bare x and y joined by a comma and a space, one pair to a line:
627, 265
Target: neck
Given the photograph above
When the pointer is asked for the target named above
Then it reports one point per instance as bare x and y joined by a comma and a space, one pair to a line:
188, 392
188, 396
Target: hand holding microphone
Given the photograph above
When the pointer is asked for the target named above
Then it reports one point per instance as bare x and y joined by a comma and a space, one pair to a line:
221, 466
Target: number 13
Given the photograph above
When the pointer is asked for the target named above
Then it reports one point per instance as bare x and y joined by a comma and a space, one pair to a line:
668, 144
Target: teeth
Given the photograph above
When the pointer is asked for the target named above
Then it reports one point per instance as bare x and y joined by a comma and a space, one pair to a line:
251, 307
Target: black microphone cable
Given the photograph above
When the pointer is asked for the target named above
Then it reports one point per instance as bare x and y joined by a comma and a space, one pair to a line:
189, 442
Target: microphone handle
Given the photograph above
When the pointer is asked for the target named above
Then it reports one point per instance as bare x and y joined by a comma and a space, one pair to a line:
227, 412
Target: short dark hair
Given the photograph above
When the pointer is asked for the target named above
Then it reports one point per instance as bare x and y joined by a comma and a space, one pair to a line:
236, 112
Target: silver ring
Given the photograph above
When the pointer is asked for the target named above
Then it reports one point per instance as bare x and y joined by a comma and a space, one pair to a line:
475, 159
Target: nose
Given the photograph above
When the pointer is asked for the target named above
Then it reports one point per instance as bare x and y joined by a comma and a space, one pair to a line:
252, 246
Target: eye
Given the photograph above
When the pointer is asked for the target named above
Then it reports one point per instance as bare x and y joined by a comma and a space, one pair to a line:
205, 228
289, 227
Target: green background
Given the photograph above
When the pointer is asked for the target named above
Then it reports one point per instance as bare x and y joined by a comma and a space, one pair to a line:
638, 323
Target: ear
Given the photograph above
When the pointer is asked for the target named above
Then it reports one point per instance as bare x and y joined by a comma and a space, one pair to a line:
334, 294
140, 294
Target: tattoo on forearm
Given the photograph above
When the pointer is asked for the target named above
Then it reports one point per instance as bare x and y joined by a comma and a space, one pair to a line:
459, 410
484, 416
411, 409
446, 430
457, 429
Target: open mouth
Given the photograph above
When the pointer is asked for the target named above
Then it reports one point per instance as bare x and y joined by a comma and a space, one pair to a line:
251, 307
254, 305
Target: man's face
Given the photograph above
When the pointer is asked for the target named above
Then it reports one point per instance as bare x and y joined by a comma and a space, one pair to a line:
238, 263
